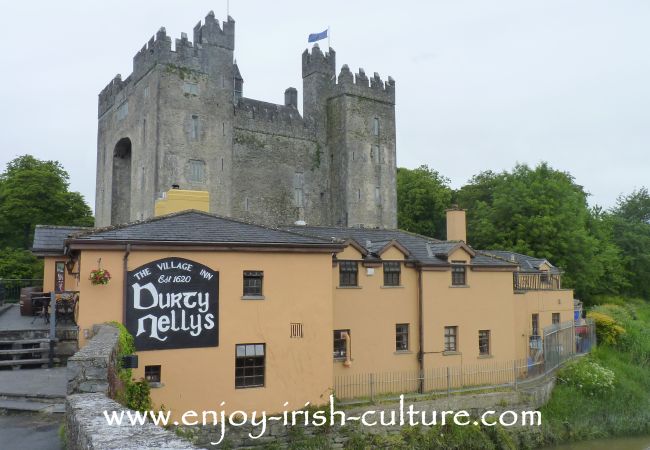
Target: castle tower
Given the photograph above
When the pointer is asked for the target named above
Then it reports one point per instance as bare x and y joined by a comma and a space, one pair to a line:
361, 141
169, 122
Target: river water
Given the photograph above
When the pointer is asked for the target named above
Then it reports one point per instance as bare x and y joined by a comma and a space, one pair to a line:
635, 443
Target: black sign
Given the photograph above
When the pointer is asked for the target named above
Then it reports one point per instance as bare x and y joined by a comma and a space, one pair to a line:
173, 303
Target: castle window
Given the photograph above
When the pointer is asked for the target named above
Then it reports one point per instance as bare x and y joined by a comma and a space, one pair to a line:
223, 128
195, 127
253, 283
375, 127
298, 197
378, 195
190, 88
483, 342
144, 131
374, 152
146, 92
358, 194
392, 272
246, 204
402, 337
122, 111
249, 365
348, 273
197, 171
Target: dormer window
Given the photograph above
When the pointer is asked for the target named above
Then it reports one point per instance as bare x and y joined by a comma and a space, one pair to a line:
458, 273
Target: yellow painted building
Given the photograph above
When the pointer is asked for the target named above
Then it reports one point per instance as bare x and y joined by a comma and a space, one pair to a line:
228, 311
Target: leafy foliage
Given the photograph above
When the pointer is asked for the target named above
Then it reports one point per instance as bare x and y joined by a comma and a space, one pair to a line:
542, 212
608, 331
36, 192
422, 197
17, 263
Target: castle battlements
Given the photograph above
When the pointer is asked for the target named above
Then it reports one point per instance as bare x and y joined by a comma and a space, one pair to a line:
158, 50
318, 62
360, 85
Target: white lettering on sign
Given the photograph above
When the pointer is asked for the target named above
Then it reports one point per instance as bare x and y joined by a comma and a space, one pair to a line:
180, 317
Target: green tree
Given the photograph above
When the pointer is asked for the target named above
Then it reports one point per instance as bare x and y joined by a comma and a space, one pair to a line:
629, 221
36, 192
542, 212
17, 263
422, 197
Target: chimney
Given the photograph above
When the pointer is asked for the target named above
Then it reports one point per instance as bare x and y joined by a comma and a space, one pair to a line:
456, 224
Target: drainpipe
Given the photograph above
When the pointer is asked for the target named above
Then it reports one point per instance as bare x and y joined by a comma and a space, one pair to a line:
127, 252
420, 332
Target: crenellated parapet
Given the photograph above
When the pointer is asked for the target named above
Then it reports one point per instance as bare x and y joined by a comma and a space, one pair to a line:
158, 50
318, 62
360, 85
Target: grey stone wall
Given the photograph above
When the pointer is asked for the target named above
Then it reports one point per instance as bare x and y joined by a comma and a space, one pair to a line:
87, 428
90, 371
178, 109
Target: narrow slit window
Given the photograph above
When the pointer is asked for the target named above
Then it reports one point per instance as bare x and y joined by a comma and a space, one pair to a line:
195, 127
375, 127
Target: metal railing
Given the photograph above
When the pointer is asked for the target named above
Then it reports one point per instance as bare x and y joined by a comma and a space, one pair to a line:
10, 288
560, 343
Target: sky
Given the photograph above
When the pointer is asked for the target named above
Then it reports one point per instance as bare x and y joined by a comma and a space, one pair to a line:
480, 85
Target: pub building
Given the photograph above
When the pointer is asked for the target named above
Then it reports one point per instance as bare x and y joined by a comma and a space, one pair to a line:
224, 310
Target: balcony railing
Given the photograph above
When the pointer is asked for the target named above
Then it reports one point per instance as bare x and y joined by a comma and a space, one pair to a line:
536, 281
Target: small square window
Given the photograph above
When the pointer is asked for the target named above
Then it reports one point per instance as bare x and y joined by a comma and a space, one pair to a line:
250, 362
484, 342
197, 171
348, 273
458, 274
253, 282
451, 339
341, 343
152, 374
555, 318
402, 337
392, 272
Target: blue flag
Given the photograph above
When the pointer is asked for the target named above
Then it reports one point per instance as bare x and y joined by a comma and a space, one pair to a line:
317, 36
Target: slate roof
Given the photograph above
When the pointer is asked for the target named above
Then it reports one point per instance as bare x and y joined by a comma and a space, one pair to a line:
50, 239
526, 263
197, 227
426, 250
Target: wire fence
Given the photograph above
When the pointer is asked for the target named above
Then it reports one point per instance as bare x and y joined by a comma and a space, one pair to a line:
558, 344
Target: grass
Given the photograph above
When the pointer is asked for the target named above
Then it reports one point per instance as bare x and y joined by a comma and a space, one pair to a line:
573, 414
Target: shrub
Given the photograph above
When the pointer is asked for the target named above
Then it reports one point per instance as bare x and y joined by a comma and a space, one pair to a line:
587, 376
608, 331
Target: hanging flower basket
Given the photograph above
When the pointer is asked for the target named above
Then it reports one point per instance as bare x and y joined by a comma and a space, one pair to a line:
99, 276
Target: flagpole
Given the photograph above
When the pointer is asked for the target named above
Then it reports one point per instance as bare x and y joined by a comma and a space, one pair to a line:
329, 45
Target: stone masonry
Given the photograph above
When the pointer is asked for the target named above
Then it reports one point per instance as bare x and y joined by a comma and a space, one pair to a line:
181, 118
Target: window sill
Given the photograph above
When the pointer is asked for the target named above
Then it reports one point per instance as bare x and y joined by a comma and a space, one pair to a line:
342, 360
484, 357
459, 286
403, 352
392, 287
348, 287
156, 385
250, 387
450, 353
253, 297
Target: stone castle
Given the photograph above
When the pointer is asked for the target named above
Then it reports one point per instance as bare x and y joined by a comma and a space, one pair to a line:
181, 118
